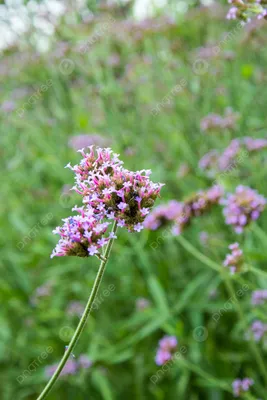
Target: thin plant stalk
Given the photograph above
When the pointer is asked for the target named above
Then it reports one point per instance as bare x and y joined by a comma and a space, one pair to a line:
83, 319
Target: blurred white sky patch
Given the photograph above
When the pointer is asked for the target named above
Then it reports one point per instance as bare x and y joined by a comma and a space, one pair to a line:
146, 8
16, 19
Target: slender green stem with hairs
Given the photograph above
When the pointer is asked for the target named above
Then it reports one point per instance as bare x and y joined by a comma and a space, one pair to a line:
83, 320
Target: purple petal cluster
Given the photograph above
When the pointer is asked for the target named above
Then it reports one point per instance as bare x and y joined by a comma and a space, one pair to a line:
172, 211
241, 386
243, 9
142, 304
242, 207
110, 192
216, 121
259, 297
181, 213
75, 308
113, 191
166, 349
234, 260
213, 161
258, 329
71, 367
81, 235
80, 141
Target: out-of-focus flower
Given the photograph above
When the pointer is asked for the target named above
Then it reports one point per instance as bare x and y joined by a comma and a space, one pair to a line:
8, 106
245, 9
142, 304
183, 170
80, 141
241, 386
203, 237
209, 162
75, 308
234, 260
84, 362
42, 291
259, 297
258, 329
215, 121
174, 212
70, 368
166, 349
204, 199
242, 207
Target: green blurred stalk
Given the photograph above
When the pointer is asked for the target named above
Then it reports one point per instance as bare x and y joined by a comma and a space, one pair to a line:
83, 319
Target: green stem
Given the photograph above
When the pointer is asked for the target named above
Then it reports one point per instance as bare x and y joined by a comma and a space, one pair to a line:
83, 320
191, 249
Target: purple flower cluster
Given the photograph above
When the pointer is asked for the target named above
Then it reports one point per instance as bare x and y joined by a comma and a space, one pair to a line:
80, 141
242, 207
216, 121
42, 291
81, 235
241, 385
166, 349
214, 161
142, 304
113, 191
173, 211
258, 329
234, 260
75, 308
243, 9
71, 366
181, 213
259, 297
110, 192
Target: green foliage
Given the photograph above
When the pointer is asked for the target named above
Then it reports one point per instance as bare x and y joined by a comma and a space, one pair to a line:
115, 100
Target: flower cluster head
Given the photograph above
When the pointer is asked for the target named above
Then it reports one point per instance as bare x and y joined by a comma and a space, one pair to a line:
234, 260
71, 367
241, 385
142, 304
216, 121
244, 9
173, 211
80, 141
203, 200
180, 214
75, 308
110, 192
166, 349
213, 161
258, 329
242, 207
259, 297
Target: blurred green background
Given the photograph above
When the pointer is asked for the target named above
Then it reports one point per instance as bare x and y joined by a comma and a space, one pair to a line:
101, 70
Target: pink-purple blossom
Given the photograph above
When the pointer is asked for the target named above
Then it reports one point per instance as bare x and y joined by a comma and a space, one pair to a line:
113, 191
259, 297
240, 386
71, 367
234, 260
242, 207
166, 349
258, 329
81, 235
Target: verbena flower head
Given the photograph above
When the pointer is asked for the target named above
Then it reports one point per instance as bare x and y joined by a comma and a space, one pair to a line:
241, 386
234, 260
258, 329
204, 199
113, 191
166, 349
71, 367
259, 297
81, 235
242, 207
